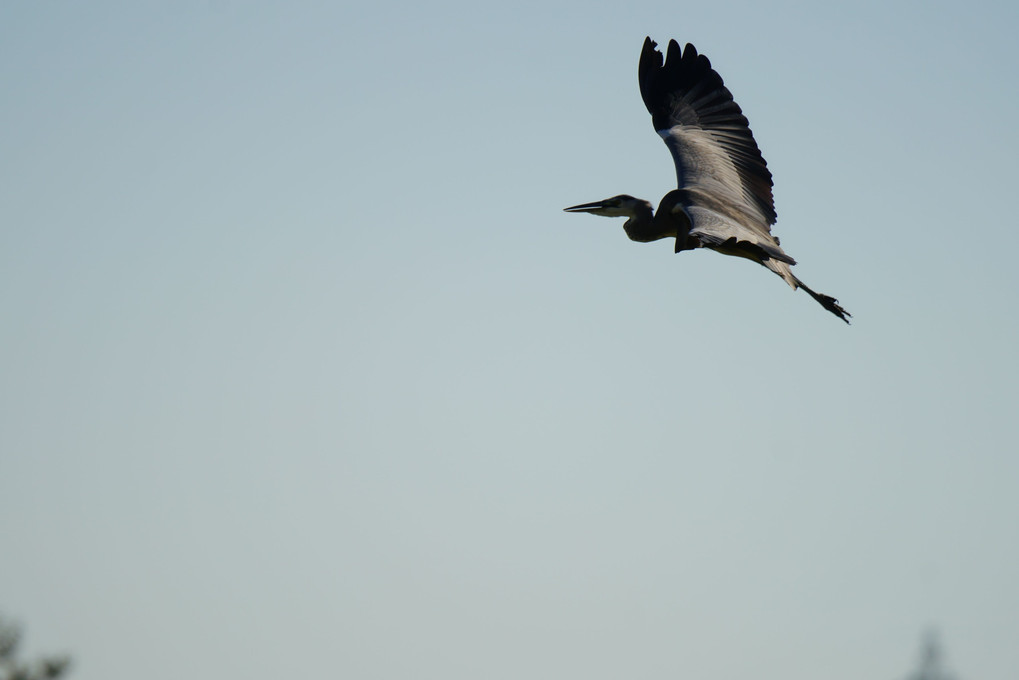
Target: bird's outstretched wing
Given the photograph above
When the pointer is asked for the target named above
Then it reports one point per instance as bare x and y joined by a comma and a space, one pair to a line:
724, 182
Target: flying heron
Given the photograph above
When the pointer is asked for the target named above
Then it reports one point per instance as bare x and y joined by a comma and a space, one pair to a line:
724, 199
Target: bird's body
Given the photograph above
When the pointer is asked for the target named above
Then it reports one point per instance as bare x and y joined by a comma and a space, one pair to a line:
724, 200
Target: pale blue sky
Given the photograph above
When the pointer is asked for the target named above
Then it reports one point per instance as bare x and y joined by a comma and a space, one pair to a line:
305, 373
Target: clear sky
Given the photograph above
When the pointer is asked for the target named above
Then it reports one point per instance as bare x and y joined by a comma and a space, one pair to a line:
305, 373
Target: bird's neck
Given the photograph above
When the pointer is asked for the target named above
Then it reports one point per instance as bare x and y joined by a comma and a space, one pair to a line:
641, 224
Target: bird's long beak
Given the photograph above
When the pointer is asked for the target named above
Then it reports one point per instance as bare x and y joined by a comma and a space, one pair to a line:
586, 207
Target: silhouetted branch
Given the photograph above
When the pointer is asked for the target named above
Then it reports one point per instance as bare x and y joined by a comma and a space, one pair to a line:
12, 669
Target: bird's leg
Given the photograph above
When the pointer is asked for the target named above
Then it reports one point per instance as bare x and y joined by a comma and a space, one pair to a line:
826, 301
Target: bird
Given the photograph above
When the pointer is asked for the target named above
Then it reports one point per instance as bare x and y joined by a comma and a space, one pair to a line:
724, 199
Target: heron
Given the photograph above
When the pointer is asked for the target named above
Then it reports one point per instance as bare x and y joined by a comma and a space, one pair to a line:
724, 200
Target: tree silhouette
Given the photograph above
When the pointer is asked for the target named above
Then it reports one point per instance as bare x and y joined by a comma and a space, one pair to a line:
13, 669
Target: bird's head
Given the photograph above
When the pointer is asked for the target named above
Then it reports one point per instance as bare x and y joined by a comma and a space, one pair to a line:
622, 205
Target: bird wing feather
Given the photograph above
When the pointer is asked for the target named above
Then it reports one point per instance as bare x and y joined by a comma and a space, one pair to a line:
724, 181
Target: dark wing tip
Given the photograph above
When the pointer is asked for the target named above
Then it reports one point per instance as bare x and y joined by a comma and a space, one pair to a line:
675, 52
647, 70
662, 77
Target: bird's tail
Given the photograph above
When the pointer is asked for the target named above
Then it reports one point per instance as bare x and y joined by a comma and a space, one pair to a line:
826, 301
